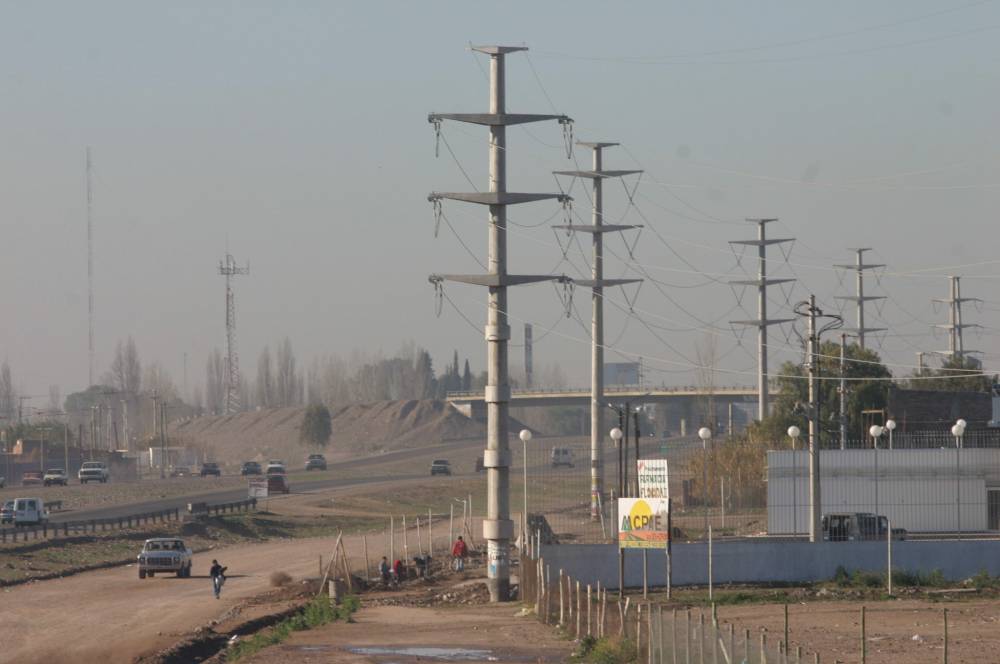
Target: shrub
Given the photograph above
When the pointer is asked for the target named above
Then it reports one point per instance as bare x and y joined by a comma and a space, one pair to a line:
279, 579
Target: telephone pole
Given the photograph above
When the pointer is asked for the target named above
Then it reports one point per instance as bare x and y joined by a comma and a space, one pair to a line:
597, 283
815, 509
762, 321
529, 368
229, 269
955, 326
498, 529
859, 298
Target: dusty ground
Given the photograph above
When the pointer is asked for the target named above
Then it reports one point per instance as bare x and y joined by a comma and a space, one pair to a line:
908, 631
384, 634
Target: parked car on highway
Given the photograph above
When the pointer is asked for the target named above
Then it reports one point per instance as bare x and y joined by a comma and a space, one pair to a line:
7, 512
93, 471
440, 467
55, 476
277, 484
32, 478
275, 468
210, 468
251, 468
316, 462
30, 512
164, 554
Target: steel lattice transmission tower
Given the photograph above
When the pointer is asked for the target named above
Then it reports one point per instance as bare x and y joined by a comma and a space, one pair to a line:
597, 283
955, 326
859, 298
498, 529
762, 321
229, 269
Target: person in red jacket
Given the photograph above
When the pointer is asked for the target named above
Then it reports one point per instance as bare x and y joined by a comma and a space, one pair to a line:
458, 553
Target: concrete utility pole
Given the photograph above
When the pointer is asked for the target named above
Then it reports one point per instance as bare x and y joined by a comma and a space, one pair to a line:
842, 391
128, 443
498, 529
156, 428
762, 321
597, 283
859, 298
955, 326
229, 269
815, 508
90, 272
529, 368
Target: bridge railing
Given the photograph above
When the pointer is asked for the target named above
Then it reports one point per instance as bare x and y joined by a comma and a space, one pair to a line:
615, 389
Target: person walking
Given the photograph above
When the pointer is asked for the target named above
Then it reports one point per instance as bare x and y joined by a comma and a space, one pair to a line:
218, 574
458, 553
384, 571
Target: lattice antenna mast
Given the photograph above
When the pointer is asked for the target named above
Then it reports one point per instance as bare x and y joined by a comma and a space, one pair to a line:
762, 321
955, 326
859, 298
597, 283
90, 272
498, 529
229, 269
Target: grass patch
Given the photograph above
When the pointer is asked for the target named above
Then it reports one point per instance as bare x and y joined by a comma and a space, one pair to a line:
609, 650
316, 613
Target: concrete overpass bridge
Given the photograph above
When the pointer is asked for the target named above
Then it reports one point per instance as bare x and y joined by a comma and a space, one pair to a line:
680, 402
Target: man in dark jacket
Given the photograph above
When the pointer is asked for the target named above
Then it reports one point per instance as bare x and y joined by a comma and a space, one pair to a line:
218, 574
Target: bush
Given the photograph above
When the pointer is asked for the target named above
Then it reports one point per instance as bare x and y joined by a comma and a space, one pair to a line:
317, 612
609, 650
279, 579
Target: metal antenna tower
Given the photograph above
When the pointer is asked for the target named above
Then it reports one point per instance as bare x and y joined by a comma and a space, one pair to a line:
597, 229
498, 529
955, 326
90, 272
229, 269
859, 298
762, 321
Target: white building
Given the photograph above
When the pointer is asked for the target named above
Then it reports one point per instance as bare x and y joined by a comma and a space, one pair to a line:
921, 490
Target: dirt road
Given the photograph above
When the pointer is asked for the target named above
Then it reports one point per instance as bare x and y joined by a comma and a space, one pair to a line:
111, 616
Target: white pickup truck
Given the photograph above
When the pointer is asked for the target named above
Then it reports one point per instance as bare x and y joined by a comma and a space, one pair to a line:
164, 554
93, 471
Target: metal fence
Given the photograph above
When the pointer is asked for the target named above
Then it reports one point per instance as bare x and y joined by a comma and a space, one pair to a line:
928, 484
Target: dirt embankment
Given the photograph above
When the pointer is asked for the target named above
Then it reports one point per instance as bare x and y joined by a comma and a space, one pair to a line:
357, 429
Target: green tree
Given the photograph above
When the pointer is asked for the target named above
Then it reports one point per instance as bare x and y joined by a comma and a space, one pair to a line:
957, 374
862, 394
316, 427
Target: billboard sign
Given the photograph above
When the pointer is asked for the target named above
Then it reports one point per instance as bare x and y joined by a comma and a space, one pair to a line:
257, 489
652, 474
642, 523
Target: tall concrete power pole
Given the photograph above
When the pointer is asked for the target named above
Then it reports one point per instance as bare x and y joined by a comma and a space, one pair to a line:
815, 500
597, 229
955, 326
498, 529
859, 298
762, 321
90, 273
229, 269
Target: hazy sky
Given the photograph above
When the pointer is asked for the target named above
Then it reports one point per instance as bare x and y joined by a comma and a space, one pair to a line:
296, 134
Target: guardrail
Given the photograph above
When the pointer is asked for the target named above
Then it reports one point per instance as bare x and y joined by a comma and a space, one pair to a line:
68, 528
720, 390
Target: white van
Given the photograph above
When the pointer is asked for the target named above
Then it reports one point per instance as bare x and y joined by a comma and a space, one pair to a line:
29, 512
562, 456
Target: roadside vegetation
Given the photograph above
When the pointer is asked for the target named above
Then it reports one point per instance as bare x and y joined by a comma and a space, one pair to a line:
317, 612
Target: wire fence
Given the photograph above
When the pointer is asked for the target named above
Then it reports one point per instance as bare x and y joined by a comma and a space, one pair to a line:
927, 485
658, 631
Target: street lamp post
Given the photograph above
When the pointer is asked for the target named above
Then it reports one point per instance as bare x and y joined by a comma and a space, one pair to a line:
794, 432
525, 436
958, 430
875, 431
616, 435
890, 426
704, 433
